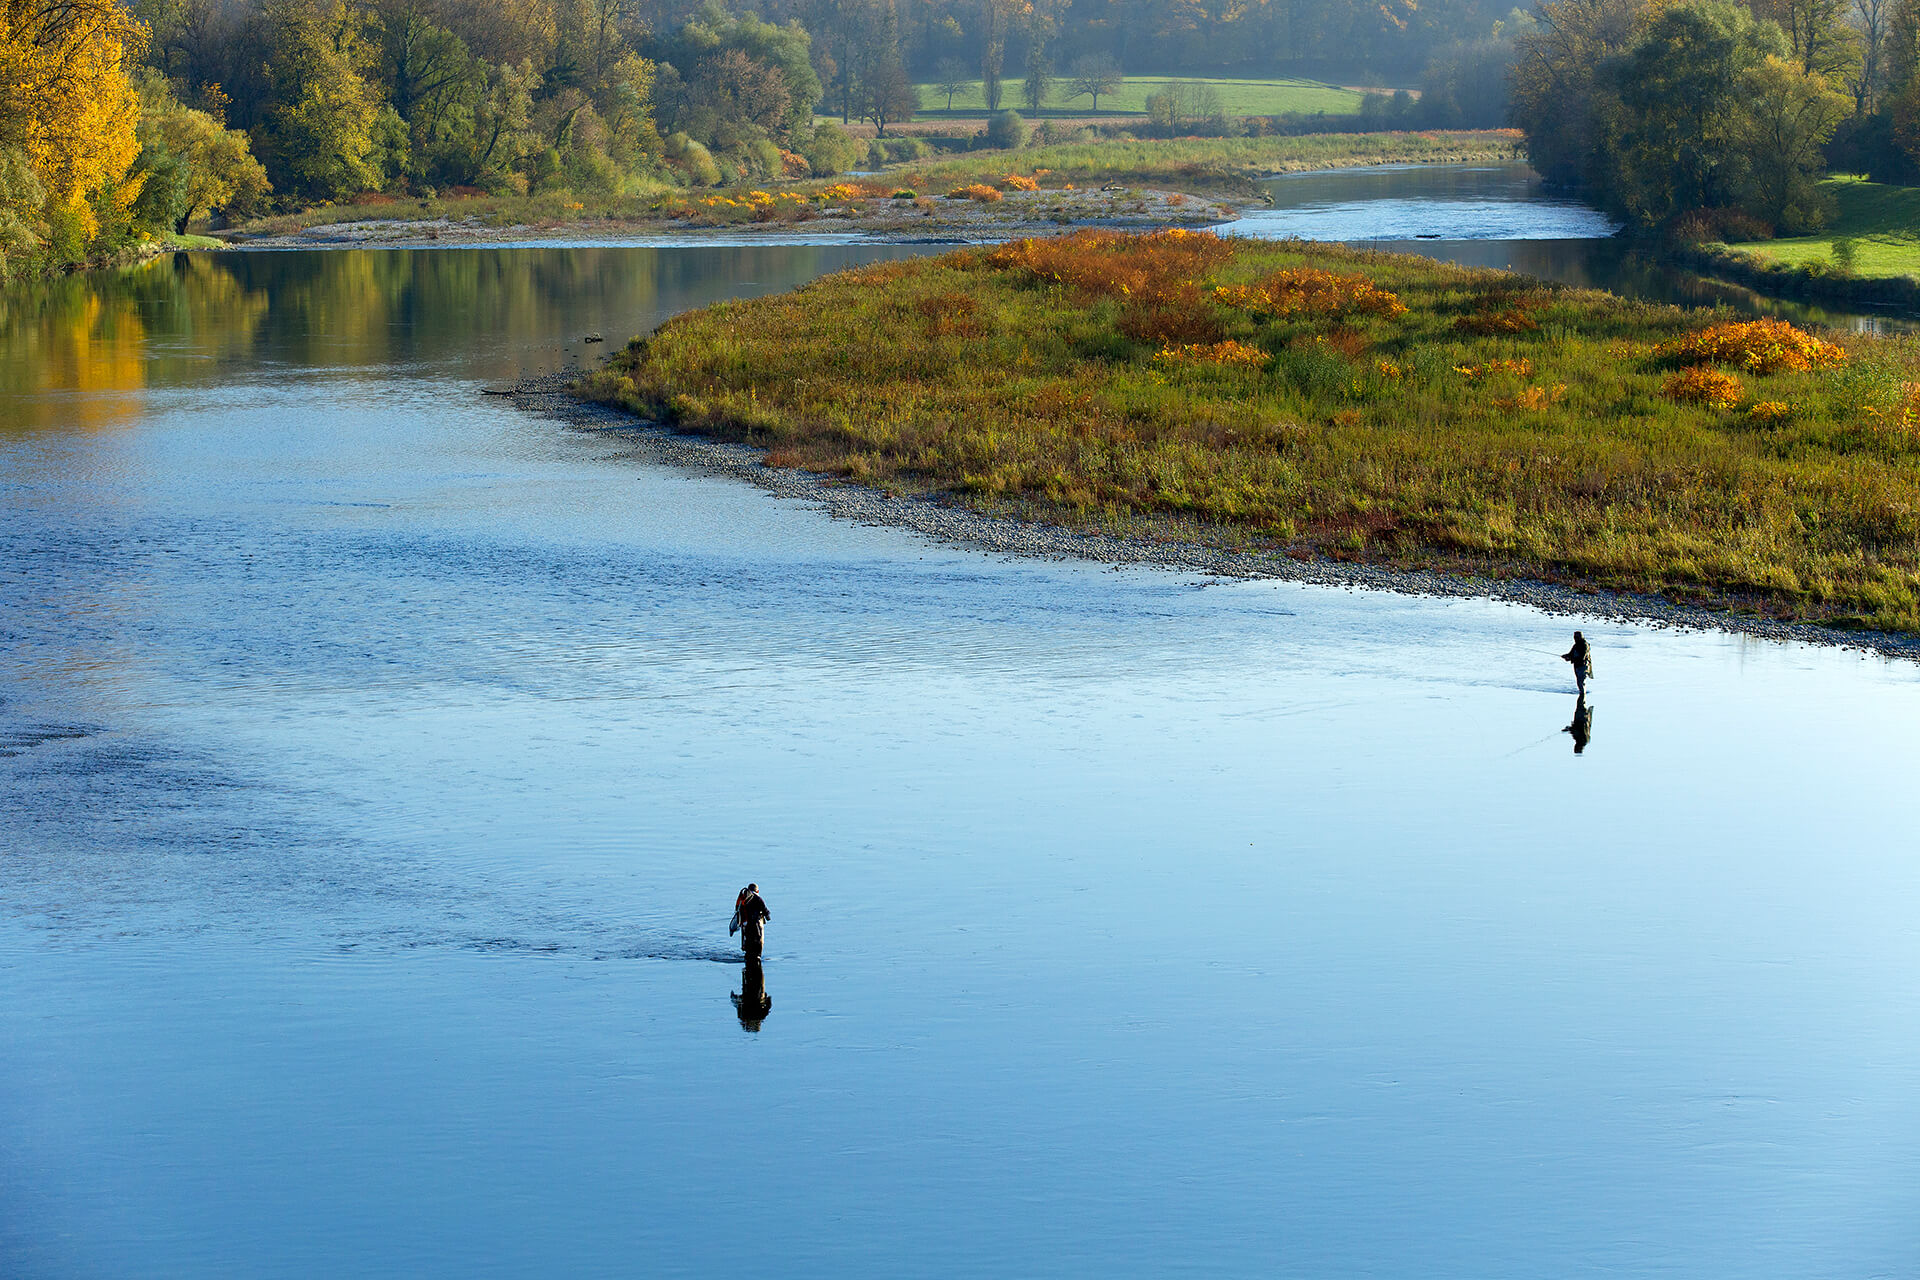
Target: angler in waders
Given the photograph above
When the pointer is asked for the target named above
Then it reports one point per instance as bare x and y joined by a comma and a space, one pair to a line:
750, 915
1581, 656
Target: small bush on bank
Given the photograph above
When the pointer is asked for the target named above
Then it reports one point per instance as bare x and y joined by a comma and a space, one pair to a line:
1006, 130
1701, 385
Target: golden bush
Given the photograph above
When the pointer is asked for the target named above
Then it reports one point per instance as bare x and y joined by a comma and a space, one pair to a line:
1704, 386
1757, 346
1310, 291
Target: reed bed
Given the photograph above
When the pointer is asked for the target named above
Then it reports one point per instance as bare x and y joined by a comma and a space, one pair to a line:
1334, 402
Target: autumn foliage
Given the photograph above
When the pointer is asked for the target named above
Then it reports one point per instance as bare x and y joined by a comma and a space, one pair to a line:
1702, 385
1756, 346
1309, 291
68, 115
1316, 400
1109, 264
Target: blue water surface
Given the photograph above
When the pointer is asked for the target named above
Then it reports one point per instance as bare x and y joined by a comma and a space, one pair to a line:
378, 764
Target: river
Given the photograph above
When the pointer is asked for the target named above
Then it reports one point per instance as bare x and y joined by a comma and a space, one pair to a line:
378, 764
1503, 216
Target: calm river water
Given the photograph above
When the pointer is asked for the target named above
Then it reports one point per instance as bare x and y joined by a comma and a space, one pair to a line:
1501, 216
378, 765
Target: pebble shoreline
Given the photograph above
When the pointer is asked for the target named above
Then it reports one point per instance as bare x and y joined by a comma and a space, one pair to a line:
547, 395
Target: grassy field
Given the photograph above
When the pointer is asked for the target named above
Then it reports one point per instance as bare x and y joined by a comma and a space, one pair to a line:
1334, 402
1882, 223
1239, 97
1198, 162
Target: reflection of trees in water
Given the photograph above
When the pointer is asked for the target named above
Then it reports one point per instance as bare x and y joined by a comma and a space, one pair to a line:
486, 309
79, 351
195, 319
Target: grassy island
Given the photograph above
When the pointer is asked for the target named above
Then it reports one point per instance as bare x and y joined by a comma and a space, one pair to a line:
1333, 402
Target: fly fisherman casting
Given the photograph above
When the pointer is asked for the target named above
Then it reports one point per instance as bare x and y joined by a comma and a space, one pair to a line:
1581, 656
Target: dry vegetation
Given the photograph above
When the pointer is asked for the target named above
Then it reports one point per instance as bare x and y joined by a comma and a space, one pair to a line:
1335, 402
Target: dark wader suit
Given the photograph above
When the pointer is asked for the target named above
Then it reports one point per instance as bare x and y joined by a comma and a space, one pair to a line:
753, 918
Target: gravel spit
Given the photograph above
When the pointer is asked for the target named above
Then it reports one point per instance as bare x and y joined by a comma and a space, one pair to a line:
547, 395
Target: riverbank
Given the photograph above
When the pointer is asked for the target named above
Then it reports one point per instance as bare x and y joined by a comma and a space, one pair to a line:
977, 195
938, 518
1868, 257
1322, 403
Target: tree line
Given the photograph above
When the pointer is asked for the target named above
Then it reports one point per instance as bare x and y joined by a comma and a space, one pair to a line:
1716, 119
126, 117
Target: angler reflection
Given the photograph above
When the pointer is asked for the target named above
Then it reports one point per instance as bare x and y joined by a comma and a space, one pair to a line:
752, 1002
1582, 726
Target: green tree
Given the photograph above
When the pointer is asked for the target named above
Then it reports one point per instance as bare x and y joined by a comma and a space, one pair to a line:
1556, 79
21, 199
198, 166
1819, 36
1038, 81
1790, 113
1674, 111
319, 132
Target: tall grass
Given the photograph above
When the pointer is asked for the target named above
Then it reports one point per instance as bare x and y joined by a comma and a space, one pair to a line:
1335, 402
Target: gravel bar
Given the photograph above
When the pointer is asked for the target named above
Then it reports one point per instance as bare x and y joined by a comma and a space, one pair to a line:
548, 396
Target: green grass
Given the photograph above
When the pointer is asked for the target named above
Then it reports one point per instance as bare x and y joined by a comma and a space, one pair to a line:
1239, 97
1389, 437
1213, 163
1882, 221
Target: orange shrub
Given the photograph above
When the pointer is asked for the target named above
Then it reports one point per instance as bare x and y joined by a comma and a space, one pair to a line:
1758, 346
1508, 320
1519, 368
1178, 316
1105, 263
1767, 412
1228, 352
952, 315
1701, 385
1533, 398
977, 191
1311, 291
1014, 182
794, 165
1903, 417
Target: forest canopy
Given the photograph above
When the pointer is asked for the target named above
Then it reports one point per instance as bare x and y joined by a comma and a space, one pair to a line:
133, 117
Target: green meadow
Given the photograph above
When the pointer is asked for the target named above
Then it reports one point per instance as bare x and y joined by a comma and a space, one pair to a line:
1237, 97
1875, 232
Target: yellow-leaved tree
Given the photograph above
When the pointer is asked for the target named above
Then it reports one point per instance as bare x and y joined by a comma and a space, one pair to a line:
67, 119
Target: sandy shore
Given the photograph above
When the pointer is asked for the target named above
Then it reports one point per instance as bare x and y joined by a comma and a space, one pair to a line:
547, 396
